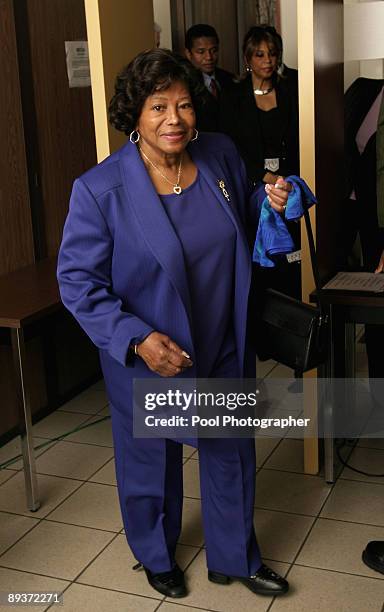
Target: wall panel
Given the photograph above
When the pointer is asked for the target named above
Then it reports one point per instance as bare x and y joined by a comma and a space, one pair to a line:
16, 240
64, 117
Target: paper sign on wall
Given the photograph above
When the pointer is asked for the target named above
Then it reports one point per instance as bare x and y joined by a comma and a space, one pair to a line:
78, 71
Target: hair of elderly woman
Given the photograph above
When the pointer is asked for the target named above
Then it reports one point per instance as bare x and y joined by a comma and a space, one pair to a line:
262, 33
150, 71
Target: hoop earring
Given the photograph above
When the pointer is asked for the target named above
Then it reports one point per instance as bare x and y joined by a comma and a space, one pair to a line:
195, 136
134, 139
248, 69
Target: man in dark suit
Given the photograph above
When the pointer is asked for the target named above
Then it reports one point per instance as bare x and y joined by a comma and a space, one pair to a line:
363, 206
202, 50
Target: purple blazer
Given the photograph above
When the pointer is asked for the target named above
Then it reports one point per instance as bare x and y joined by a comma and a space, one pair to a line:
121, 269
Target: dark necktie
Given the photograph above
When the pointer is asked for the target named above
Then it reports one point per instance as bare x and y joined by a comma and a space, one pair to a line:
213, 88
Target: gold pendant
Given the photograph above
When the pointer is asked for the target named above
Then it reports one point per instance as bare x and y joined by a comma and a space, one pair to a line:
177, 189
223, 188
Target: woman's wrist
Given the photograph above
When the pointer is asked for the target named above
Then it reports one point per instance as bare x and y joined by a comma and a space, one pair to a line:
134, 348
270, 177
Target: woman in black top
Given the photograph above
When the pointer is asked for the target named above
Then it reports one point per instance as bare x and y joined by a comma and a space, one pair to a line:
261, 112
261, 115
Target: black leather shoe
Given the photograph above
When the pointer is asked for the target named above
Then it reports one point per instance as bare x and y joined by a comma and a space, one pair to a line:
264, 582
169, 583
373, 555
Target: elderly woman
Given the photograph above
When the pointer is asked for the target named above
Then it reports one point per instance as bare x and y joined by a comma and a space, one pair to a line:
155, 266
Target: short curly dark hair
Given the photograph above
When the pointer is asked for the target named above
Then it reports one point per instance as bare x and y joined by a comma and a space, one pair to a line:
150, 71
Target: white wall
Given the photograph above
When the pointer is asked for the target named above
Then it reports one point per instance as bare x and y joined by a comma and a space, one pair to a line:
373, 68
162, 13
288, 17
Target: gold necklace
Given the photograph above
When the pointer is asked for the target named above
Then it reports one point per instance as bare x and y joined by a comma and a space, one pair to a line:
176, 186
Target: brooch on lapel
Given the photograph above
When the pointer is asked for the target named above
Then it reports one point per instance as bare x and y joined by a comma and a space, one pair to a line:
223, 188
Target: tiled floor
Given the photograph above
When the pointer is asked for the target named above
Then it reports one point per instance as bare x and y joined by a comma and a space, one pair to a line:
75, 543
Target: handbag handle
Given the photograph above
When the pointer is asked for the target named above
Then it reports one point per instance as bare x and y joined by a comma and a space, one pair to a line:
312, 252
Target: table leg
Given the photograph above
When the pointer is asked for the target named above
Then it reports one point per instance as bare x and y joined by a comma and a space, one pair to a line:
25, 420
328, 373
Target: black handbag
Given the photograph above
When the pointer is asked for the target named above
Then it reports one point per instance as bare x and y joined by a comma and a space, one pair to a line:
290, 331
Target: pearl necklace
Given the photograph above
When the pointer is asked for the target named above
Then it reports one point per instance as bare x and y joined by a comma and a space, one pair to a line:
176, 186
263, 92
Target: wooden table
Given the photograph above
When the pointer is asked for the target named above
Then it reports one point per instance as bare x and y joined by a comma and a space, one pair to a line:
346, 308
26, 296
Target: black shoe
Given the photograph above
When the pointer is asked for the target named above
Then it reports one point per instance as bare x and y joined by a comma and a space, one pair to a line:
373, 555
264, 582
169, 583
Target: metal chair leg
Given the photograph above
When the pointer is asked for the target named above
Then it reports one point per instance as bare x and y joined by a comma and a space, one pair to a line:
19, 357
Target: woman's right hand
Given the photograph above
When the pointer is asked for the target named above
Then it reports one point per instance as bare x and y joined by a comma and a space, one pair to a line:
162, 355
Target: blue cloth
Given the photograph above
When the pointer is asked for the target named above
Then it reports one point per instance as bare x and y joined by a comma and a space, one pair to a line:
273, 238
208, 240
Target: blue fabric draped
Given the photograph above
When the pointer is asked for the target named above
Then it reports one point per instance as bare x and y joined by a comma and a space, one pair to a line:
273, 238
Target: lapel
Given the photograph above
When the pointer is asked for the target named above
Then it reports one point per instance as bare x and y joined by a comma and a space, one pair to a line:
153, 220
213, 172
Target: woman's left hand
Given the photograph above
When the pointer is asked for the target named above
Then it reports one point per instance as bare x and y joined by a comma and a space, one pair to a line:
278, 194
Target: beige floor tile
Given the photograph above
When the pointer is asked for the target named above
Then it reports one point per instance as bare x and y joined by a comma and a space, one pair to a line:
93, 505
358, 502
10, 450
281, 371
192, 479
206, 595
368, 460
171, 607
12, 527
185, 555
113, 569
90, 401
14, 581
73, 460
188, 451
13, 448
338, 546
289, 456
91, 599
192, 528
297, 493
314, 590
361, 363
264, 447
56, 550
100, 433
58, 423
52, 491
6, 475
104, 411
107, 474
279, 534
263, 368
